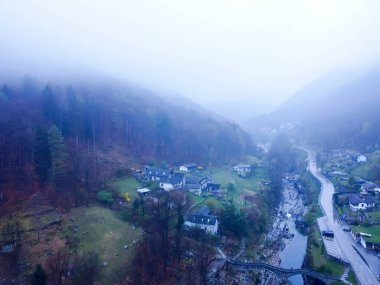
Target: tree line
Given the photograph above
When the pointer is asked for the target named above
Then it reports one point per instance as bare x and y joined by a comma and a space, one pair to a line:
69, 138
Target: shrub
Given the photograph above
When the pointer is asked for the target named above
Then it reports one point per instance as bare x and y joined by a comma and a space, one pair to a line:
105, 197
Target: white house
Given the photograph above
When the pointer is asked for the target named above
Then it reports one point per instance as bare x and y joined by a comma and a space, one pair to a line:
166, 185
362, 202
361, 158
206, 222
242, 169
189, 167
174, 181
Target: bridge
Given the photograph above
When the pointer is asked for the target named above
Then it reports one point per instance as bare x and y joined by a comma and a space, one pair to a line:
285, 273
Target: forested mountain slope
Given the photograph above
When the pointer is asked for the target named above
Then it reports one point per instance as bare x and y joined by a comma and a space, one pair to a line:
71, 136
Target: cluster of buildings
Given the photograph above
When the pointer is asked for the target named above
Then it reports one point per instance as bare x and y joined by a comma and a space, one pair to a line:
364, 200
169, 180
349, 155
366, 203
185, 179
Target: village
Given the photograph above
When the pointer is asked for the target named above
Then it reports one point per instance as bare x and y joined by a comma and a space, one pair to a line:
190, 178
357, 197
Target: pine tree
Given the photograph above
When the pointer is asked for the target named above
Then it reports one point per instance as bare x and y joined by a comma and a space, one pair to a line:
39, 276
58, 154
42, 155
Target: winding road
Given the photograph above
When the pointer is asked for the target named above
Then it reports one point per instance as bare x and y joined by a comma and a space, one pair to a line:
344, 239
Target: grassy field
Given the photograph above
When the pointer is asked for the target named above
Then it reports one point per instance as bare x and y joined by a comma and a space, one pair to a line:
100, 231
362, 170
375, 216
224, 176
312, 191
195, 199
128, 184
243, 186
373, 230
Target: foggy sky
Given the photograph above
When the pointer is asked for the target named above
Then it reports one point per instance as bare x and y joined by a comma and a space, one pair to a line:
235, 57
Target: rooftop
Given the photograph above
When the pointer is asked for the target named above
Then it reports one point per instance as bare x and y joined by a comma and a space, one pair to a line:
356, 199
162, 172
202, 219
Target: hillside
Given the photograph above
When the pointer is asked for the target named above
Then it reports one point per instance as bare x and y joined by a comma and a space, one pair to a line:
75, 135
332, 112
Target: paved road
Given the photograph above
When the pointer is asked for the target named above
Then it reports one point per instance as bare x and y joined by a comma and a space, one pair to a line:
345, 241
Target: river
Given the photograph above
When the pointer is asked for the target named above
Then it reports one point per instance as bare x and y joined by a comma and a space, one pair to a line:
292, 256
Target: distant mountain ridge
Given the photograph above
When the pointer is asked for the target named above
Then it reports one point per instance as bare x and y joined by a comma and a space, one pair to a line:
334, 111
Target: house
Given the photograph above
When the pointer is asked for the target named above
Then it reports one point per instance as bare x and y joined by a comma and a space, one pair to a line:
368, 187
189, 167
206, 222
242, 169
156, 174
361, 158
204, 181
166, 184
178, 179
211, 187
172, 182
361, 202
192, 185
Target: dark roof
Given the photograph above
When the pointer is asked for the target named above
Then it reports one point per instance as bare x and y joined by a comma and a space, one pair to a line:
205, 180
356, 199
192, 186
204, 211
191, 180
190, 165
159, 172
369, 185
178, 174
213, 186
175, 180
171, 179
202, 219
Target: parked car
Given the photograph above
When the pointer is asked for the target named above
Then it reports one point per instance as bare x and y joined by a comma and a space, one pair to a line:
346, 228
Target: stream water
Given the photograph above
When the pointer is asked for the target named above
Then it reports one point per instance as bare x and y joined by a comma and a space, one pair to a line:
293, 254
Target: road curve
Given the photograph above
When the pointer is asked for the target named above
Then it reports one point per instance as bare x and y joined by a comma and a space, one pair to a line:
345, 241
